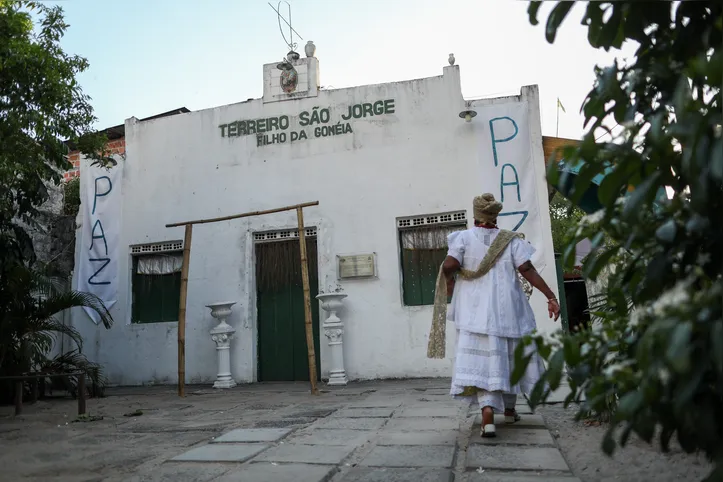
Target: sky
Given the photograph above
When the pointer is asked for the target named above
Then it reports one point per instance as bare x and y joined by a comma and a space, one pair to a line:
152, 56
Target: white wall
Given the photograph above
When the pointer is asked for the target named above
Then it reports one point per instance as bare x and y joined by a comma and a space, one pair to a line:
423, 159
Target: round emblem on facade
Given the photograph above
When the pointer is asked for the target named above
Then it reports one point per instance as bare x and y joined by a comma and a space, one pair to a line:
289, 79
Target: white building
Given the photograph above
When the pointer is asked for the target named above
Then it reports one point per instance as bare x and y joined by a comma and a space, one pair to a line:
386, 162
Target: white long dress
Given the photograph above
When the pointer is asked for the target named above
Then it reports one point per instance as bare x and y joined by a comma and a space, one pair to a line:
491, 314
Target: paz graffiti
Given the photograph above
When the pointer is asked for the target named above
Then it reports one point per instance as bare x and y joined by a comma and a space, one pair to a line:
97, 271
509, 179
103, 187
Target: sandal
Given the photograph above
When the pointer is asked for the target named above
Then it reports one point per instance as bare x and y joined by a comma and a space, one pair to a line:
511, 416
488, 430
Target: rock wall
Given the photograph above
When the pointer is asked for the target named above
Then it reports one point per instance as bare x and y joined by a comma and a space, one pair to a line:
54, 234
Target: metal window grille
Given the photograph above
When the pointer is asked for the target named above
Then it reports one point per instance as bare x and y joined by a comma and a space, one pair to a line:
284, 234
152, 248
455, 217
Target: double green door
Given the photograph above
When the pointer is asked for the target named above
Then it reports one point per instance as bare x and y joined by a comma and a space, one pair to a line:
282, 350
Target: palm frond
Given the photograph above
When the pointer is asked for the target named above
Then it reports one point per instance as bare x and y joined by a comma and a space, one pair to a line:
73, 299
74, 361
30, 302
49, 326
45, 286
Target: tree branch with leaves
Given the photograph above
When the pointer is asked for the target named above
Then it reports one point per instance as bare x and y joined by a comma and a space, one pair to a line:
657, 346
42, 110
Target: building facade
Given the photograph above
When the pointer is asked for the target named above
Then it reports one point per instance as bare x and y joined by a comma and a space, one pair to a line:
394, 168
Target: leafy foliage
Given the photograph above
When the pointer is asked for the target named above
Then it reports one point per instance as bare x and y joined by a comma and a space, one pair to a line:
42, 110
564, 217
29, 305
75, 361
71, 201
657, 346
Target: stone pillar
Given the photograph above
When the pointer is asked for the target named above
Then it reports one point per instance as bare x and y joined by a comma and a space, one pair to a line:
222, 335
334, 332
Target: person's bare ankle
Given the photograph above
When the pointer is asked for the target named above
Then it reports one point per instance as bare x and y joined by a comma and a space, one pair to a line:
488, 416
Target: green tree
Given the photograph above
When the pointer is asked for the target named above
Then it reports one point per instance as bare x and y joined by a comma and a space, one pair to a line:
42, 109
657, 346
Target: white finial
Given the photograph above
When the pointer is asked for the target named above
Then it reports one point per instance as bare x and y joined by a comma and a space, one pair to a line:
310, 49
451, 59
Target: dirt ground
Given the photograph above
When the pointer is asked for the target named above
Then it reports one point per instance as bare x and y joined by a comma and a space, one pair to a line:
638, 461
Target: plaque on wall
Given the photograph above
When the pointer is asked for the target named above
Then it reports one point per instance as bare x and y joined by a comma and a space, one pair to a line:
357, 266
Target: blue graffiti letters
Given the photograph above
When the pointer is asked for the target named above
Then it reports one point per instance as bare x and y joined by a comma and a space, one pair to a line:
495, 141
507, 130
516, 182
94, 236
97, 194
523, 215
106, 262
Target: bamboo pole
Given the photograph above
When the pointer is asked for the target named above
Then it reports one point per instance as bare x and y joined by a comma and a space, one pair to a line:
245, 215
307, 302
184, 288
182, 312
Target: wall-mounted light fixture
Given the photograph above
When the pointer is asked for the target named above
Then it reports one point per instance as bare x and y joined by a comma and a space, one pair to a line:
467, 115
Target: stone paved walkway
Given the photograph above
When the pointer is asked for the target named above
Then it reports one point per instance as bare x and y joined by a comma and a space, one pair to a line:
378, 431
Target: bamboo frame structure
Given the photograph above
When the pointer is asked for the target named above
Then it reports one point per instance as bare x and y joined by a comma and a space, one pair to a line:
307, 303
244, 215
182, 311
304, 278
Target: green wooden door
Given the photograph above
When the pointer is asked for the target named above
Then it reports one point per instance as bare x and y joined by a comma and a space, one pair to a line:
420, 268
283, 355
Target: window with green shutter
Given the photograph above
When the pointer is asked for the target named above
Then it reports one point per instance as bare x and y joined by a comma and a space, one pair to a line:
156, 287
423, 244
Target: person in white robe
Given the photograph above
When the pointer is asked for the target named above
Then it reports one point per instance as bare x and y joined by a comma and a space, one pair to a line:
491, 312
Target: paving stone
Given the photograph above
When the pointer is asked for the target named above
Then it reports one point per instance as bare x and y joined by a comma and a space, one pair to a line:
447, 437
425, 402
266, 471
416, 424
309, 413
170, 426
515, 458
440, 456
528, 421
331, 437
245, 435
358, 412
181, 471
523, 409
488, 476
438, 391
221, 453
306, 454
283, 423
433, 411
507, 435
435, 398
351, 423
559, 395
376, 403
377, 474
